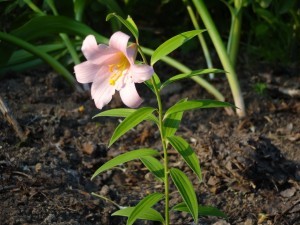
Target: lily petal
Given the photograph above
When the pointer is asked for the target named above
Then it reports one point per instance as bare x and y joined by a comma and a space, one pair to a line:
141, 73
119, 41
131, 53
85, 72
101, 90
89, 47
129, 95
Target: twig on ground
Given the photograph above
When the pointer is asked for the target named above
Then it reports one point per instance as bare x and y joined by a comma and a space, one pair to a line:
11, 120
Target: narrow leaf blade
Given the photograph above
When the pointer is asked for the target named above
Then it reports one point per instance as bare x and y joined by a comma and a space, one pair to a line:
123, 158
150, 214
172, 122
196, 104
172, 44
202, 210
143, 206
154, 166
187, 153
131, 121
189, 75
186, 190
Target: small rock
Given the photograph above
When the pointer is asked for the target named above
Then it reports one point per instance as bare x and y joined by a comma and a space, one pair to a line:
38, 167
88, 148
104, 190
287, 193
221, 222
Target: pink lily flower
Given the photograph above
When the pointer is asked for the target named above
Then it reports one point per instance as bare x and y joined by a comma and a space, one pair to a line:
112, 68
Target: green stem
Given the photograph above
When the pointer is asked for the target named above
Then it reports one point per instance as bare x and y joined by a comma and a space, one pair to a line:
163, 141
200, 37
234, 35
224, 58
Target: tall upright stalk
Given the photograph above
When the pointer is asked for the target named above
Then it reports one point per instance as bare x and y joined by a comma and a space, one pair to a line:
224, 58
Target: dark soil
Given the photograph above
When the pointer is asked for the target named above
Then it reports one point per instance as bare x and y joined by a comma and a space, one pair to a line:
250, 166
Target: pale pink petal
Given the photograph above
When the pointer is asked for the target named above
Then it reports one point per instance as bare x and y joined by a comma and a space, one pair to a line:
129, 95
105, 55
131, 53
85, 72
89, 47
141, 73
119, 41
102, 91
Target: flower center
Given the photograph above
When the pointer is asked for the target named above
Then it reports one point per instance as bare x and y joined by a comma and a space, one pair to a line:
118, 70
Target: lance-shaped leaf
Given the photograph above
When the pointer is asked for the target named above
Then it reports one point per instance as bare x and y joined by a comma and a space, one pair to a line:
202, 210
143, 206
196, 104
123, 112
189, 75
187, 153
129, 23
131, 121
186, 190
173, 43
172, 122
149, 214
123, 158
154, 166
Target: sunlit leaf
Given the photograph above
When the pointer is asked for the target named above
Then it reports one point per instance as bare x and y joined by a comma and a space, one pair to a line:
173, 43
186, 190
189, 75
154, 166
143, 206
131, 121
187, 153
196, 104
123, 112
156, 80
129, 23
202, 210
149, 214
172, 122
123, 158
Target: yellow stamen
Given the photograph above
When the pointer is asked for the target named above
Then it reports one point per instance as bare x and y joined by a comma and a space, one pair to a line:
118, 70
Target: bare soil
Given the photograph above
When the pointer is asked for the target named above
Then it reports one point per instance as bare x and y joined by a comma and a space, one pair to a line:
250, 166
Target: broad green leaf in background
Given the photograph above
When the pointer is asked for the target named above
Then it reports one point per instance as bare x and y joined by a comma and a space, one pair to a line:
189, 75
154, 166
123, 158
196, 104
173, 43
187, 153
129, 23
202, 210
123, 112
130, 121
79, 6
186, 190
172, 122
143, 206
149, 214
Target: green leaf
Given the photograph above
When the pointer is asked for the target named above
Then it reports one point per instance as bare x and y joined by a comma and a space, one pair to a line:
172, 122
186, 190
187, 153
202, 210
156, 80
123, 112
123, 158
129, 23
143, 206
196, 104
113, 6
172, 44
189, 75
154, 166
149, 214
131, 121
